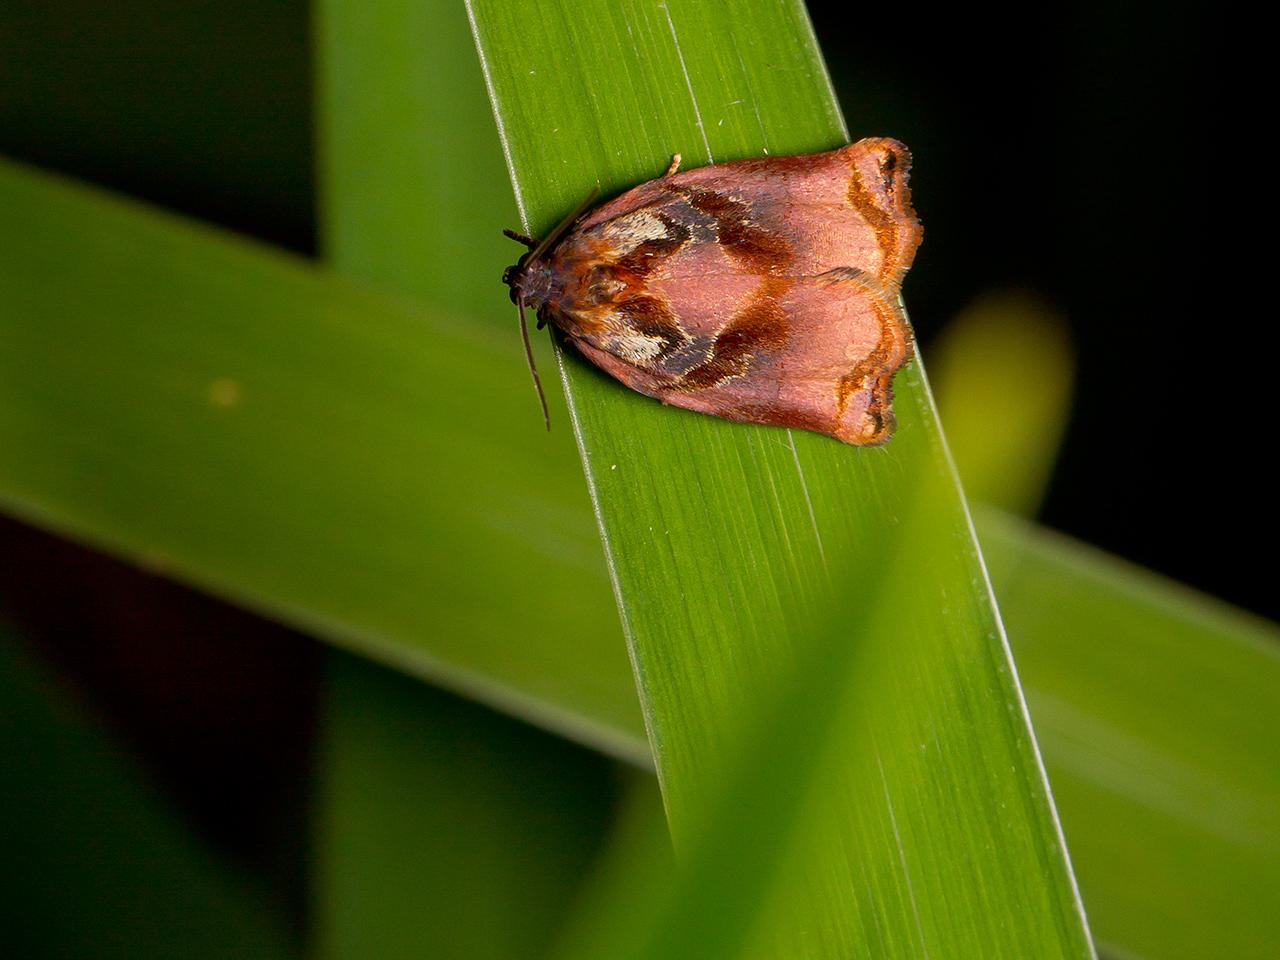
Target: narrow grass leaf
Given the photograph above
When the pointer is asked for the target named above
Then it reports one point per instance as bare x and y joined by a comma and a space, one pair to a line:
727, 543
444, 829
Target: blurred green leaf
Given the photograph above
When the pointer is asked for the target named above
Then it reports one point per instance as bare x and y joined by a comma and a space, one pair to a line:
444, 830
729, 544
616, 905
413, 194
96, 863
233, 417
447, 831
1004, 371
1156, 711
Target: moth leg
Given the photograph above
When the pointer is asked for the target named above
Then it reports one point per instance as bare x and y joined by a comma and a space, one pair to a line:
675, 165
520, 238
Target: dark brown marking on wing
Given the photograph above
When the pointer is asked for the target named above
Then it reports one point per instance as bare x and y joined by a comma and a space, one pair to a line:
652, 317
887, 166
882, 223
876, 362
876, 371
760, 327
759, 250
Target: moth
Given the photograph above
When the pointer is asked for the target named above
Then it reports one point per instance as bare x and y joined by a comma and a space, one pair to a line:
763, 290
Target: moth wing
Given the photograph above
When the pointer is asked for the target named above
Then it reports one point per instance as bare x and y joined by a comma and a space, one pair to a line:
815, 353
780, 215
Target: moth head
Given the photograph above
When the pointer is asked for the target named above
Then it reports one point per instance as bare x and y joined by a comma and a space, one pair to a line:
516, 276
529, 279
533, 263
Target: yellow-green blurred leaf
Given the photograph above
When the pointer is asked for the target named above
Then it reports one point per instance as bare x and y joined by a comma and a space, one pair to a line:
1004, 370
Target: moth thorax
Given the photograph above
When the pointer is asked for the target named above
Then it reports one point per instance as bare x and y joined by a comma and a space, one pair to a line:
532, 281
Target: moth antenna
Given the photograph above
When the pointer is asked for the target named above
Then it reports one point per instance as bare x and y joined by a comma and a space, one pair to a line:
533, 367
563, 225
520, 238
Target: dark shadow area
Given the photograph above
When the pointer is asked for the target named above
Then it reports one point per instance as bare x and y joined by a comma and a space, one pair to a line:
218, 705
204, 108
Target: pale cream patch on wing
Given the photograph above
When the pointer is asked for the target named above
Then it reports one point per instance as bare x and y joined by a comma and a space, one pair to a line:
627, 232
635, 348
